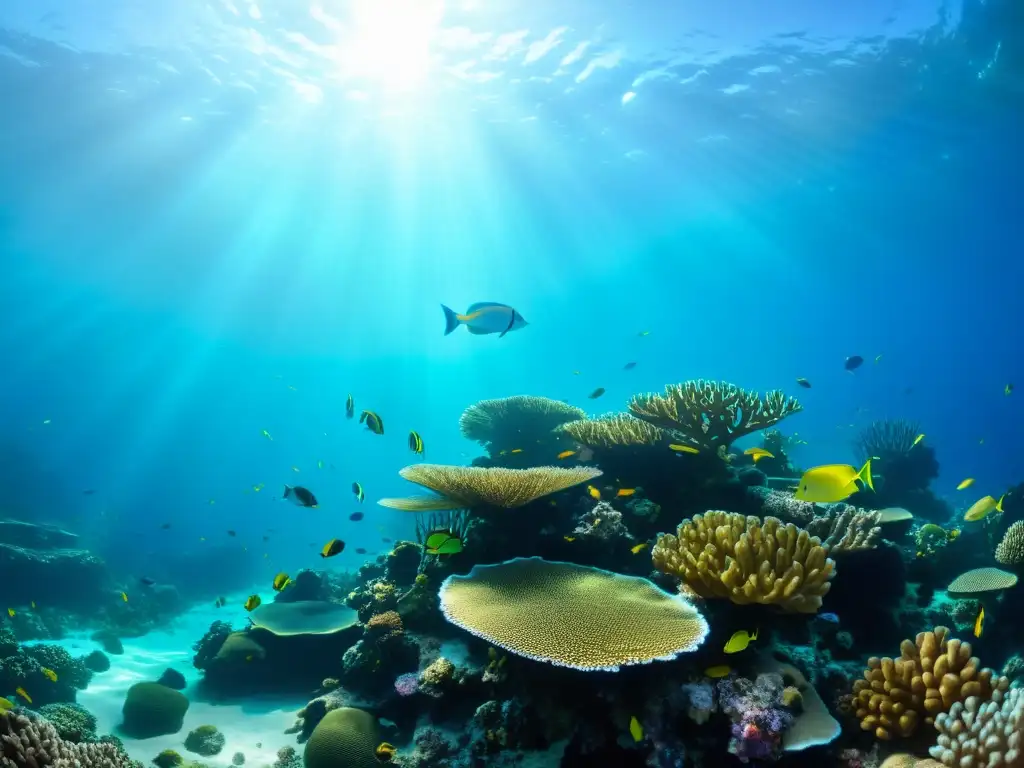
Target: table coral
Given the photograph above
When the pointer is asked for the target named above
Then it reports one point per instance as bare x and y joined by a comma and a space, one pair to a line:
617, 429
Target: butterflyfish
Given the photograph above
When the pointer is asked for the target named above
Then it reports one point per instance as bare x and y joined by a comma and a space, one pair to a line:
683, 448
979, 623
332, 548
569, 539
739, 641
917, 440
803, 382
350, 407
635, 729
566, 454
281, 581
443, 542
966, 483
625, 492
483, 318
302, 497
718, 671
372, 421
638, 548
596, 393
594, 493
759, 453
981, 508
831, 483
252, 602
49, 674
23, 693
415, 442
357, 489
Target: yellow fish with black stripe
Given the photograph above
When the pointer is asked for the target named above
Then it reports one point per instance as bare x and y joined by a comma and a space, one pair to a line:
483, 318
415, 442
281, 581
372, 421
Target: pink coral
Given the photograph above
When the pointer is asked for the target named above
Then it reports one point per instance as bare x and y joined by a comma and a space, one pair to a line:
407, 684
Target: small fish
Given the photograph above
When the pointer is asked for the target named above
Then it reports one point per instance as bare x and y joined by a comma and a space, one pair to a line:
232, 533
443, 542
250, 657
917, 440
570, 539
981, 508
88, 492
213, 501
594, 493
10, 612
332, 548
259, 745
49, 674
357, 489
373, 422
965, 483
483, 318
566, 454
739, 641
597, 522
831, 618
6, 705
623, 492
23, 693
644, 333
202, 538
635, 729
146, 581
415, 442
295, 468
220, 602
1008, 389
637, 549
853, 362
350, 407
33, 604
596, 393
516, 450
267, 435
953, 534
803, 382
629, 366
319, 463
360, 551
384, 752
124, 596
576, 373
759, 453
718, 671
683, 448
386, 540
252, 602
877, 358
300, 496
281, 581
258, 487
979, 623
355, 517
832, 483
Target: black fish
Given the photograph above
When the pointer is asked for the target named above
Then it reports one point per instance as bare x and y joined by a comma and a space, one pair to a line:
301, 496
803, 383
356, 516
146, 581
232, 533
629, 366
332, 548
853, 362
360, 551
373, 422
596, 393
266, 538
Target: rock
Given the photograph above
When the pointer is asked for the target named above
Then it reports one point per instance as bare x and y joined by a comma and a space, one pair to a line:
35, 536
97, 661
111, 643
205, 740
238, 759
151, 709
172, 678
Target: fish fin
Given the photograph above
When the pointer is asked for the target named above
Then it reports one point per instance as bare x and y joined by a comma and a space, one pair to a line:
510, 324
865, 475
484, 305
287, 492
451, 320
999, 504
477, 331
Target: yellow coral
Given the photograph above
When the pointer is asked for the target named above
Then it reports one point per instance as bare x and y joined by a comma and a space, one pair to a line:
388, 622
507, 421
571, 615
932, 674
1011, 549
722, 554
438, 673
611, 430
467, 487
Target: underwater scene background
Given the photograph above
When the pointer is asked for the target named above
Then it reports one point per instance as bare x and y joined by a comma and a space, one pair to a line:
722, 470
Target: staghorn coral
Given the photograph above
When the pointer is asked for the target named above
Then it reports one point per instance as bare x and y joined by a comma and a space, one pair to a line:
722, 554
27, 743
504, 423
846, 529
712, 413
615, 429
467, 487
931, 674
1010, 550
982, 733
571, 615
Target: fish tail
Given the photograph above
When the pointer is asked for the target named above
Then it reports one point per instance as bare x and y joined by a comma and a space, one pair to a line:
451, 320
999, 504
865, 475
287, 491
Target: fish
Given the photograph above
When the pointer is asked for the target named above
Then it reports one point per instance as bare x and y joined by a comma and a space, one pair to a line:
576, 373
759, 453
683, 448
232, 533
565, 454
360, 551
570, 539
384, 752
644, 333
373, 422
319, 463
803, 382
281, 581
6, 705
831, 618
739, 641
953, 535
350, 407
357, 489
832, 483
718, 671
415, 442
484, 317
594, 493
853, 362
965, 483
267, 435
23, 693
917, 440
980, 509
252, 602
300, 496
516, 450
295, 469
332, 548
124, 596
623, 492
49, 674
637, 549
165, 527
220, 602
213, 501
1008, 389
596, 393
386, 540
629, 366
877, 358
979, 623
443, 542
635, 729
33, 604
88, 492
146, 581
355, 517
258, 487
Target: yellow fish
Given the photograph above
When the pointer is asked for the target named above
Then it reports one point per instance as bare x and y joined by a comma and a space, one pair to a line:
739, 641
49, 673
124, 596
566, 454
965, 483
516, 450
570, 539
385, 752
10, 612
683, 448
980, 509
267, 435
717, 671
635, 729
281, 581
979, 623
252, 602
23, 693
759, 453
636, 550
832, 482
6, 704
33, 604
625, 492
594, 493
917, 440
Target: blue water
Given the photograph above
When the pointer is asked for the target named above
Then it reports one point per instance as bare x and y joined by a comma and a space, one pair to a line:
221, 219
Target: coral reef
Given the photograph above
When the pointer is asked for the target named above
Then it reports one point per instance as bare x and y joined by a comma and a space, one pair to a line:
24, 668
28, 743
846, 529
344, 737
172, 678
977, 732
603, 522
73, 722
982, 580
511, 423
1010, 550
205, 740
151, 709
617, 429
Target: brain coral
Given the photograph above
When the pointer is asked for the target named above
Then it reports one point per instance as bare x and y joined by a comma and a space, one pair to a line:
980, 733
344, 738
721, 554
1011, 549
571, 615
151, 709
931, 675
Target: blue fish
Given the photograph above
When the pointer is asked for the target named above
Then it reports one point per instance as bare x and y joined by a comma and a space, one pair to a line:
831, 618
484, 317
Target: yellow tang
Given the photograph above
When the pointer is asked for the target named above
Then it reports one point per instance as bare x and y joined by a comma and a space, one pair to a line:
980, 509
566, 454
442, 542
739, 641
594, 493
384, 752
967, 483
832, 482
49, 674
683, 448
252, 602
24, 694
281, 581
717, 671
636, 550
570, 539
635, 729
759, 453
516, 450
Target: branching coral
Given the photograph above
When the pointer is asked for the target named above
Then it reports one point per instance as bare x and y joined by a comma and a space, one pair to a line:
26, 743
722, 554
977, 732
1011, 549
712, 413
931, 675
846, 529
507, 422
468, 487
617, 429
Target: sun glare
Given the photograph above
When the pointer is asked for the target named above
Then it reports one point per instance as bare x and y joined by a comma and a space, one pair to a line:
391, 40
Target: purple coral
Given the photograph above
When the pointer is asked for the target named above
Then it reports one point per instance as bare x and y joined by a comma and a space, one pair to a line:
759, 719
407, 684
